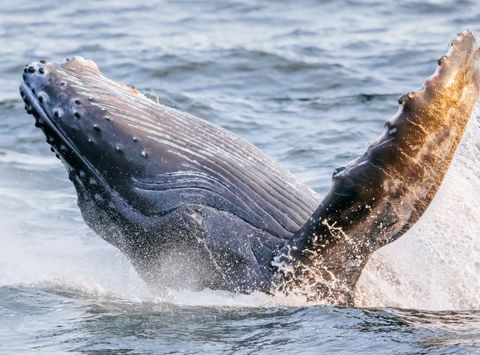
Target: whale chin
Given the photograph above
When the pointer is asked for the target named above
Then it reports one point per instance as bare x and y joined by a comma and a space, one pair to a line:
193, 205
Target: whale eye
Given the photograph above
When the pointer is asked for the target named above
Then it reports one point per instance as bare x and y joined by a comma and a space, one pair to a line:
339, 171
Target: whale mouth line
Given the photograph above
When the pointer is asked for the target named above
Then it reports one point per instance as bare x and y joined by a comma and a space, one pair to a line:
46, 124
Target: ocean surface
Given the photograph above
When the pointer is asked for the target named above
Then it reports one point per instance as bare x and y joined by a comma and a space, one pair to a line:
309, 82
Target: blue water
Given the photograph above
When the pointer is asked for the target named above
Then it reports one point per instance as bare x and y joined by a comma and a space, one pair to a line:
310, 83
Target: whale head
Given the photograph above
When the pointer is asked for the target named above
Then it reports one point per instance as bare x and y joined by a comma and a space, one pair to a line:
162, 185
90, 123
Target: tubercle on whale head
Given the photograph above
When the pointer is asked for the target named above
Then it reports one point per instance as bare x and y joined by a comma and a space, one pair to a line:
100, 152
381, 194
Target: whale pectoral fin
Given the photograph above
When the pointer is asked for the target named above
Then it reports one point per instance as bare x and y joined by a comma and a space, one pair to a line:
380, 195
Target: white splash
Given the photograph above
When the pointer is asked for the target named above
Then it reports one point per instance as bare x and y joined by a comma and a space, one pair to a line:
45, 243
435, 265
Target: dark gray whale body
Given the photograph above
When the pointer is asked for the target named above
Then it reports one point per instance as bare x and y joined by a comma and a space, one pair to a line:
195, 206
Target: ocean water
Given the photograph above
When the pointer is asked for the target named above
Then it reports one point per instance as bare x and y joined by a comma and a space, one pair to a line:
310, 83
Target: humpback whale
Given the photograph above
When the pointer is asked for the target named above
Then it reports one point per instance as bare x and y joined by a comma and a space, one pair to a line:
194, 205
